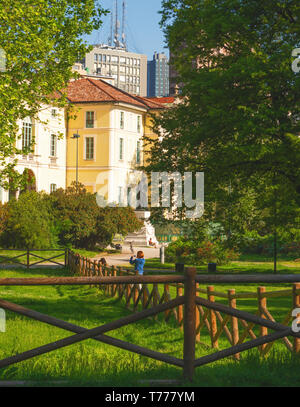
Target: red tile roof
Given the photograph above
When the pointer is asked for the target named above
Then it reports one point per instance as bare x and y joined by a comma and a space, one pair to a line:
89, 90
163, 100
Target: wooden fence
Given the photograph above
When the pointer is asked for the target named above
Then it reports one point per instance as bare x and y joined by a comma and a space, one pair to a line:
187, 306
234, 330
28, 254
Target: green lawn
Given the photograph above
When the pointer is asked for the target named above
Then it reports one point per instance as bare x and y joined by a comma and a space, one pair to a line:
245, 264
91, 363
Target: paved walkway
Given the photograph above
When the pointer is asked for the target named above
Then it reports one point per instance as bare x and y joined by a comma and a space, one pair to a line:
122, 259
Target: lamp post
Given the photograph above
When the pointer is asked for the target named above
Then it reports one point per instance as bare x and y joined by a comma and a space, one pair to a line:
76, 137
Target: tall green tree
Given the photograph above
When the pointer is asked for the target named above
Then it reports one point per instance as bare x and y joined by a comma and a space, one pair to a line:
41, 39
238, 120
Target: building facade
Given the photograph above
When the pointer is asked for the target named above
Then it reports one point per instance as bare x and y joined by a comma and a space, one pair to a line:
158, 76
111, 125
128, 69
46, 164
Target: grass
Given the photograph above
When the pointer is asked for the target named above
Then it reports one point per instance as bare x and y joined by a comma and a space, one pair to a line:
91, 363
245, 264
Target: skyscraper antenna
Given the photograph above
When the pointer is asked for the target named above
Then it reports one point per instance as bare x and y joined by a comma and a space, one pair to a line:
123, 26
116, 40
110, 40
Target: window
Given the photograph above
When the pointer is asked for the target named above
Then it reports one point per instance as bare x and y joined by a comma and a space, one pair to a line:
96, 57
27, 133
121, 120
122, 60
138, 152
89, 148
103, 58
121, 149
120, 198
139, 124
99, 57
114, 59
54, 113
90, 119
53, 188
129, 196
53, 145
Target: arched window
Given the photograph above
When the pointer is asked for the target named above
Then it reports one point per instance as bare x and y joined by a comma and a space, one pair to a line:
27, 133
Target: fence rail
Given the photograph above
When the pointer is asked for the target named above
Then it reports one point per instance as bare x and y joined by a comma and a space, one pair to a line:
235, 330
189, 310
28, 254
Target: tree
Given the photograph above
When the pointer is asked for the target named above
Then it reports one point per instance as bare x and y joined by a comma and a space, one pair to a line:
42, 39
82, 224
29, 224
238, 120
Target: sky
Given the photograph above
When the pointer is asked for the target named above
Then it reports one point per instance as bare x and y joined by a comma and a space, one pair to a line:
144, 34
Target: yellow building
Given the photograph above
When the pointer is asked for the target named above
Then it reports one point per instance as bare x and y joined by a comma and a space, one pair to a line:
111, 124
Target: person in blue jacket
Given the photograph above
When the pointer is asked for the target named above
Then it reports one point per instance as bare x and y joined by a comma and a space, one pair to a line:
139, 262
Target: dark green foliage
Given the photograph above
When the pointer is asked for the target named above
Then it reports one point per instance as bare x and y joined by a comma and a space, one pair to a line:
3, 217
29, 223
82, 224
42, 39
199, 252
238, 120
68, 217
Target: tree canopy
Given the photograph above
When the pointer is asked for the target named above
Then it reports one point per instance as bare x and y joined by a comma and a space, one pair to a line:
238, 119
42, 39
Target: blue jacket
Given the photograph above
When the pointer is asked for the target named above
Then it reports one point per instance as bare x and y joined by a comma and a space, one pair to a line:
138, 264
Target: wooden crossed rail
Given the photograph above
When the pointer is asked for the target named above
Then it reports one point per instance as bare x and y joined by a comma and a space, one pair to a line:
190, 301
236, 330
5, 259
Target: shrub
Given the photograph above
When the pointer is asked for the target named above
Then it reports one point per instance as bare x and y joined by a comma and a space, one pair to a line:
3, 217
198, 253
29, 223
82, 224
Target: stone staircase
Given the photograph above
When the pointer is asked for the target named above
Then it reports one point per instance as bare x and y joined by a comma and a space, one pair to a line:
147, 232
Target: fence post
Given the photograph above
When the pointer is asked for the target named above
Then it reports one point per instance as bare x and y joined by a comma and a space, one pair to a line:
197, 316
180, 307
28, 261
114, 287
166, 294
262, 303
145, 295
234, 321
189, 323
213, 318
135, 293
155, 297
296, 304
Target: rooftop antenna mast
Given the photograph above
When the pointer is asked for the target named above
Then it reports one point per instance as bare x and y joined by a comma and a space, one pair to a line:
116, 40
110, 40
123, 26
